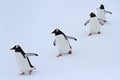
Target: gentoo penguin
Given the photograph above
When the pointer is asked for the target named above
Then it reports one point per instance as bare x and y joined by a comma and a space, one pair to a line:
62, 42
94, 24
101, 12
23, 60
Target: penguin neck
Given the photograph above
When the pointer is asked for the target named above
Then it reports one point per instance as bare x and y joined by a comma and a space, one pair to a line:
62, 34
22, 52
93, 18
101, 9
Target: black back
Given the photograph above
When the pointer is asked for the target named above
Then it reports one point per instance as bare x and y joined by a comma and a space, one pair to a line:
92, 15
17, 48
102, 6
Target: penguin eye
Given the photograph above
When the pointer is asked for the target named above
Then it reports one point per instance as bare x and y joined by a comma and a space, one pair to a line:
16, 46
57, 30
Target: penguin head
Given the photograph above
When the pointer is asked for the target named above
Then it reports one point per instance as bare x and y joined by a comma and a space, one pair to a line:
57, 32
102, 6
17, 48
92, 15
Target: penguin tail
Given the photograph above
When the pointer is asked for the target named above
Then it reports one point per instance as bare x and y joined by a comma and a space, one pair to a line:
34, 68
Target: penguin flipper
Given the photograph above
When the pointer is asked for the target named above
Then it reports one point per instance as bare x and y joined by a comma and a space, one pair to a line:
30, 63
108, 12
30, 54
69, 37
99, 19
86, 22
54, 43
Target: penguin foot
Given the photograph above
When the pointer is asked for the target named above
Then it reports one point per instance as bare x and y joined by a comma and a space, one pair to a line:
70, 52
59, 55
102, 23
89, 34
30, 71
23, 73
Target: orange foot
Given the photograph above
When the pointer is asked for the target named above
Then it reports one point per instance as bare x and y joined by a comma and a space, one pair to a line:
23, 73
30, 71
70, 52
59, 55
102, 23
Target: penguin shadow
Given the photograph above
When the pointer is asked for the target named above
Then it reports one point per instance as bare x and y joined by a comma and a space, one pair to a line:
63, 55
95, 34
32, 74
103, 24
107, 23
35, 72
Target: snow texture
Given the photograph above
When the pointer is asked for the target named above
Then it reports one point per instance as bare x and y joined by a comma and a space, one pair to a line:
29, 23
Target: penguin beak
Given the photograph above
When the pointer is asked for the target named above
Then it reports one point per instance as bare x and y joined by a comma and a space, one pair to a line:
90, 14
11, 49
52, 32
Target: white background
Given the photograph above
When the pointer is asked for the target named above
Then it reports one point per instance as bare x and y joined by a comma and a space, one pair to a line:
29, 23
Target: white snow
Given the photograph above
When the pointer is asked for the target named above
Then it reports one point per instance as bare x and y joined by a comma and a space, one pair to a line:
29, 23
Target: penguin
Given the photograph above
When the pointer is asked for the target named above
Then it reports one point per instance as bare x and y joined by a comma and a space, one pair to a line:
101, 13
23, 61
62, 42
94, 24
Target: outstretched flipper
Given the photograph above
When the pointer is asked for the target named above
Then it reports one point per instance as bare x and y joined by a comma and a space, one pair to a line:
86, 22
108, 12
30, 54
101, 21
69, 37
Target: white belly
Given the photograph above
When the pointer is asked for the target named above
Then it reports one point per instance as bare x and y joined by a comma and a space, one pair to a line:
62, 44
22, 62
101, 14
94, 25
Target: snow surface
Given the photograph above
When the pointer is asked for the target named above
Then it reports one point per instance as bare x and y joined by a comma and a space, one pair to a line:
29, 23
